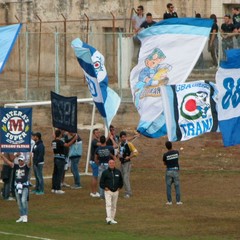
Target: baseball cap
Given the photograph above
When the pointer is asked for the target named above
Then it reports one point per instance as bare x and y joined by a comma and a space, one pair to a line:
21, 157
37, 134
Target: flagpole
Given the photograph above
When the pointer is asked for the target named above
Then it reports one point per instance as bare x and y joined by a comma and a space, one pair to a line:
26, 93
90, 139
56, 63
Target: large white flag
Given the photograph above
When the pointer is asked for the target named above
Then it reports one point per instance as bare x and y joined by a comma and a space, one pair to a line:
168, 53
228, 84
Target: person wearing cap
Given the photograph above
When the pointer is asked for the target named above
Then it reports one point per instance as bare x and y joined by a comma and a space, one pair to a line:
227, 34
38, 162
21, 171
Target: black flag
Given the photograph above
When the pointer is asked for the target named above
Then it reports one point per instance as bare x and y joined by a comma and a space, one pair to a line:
64, 112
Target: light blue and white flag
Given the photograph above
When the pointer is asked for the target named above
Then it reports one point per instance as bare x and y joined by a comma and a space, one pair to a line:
168, 53
189, 109
8, 36
228, 84
92, 62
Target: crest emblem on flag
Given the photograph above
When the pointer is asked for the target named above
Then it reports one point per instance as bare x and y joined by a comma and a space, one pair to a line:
195, 105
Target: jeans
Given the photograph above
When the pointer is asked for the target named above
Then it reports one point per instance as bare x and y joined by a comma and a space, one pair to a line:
22, 201
38, 172
172, 176
126, 169
58, 170
74, 169
101, 168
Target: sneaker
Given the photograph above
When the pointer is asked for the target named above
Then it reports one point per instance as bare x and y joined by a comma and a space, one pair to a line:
168, 203
65, 185
95, 195
127, 196
39, 192
20, 219
25, 218
179, 203
53, 191
113, 222
59, 192
10, 199
76, 187
108, 220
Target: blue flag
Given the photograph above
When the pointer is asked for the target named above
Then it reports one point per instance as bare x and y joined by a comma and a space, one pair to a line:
92, 62
169, 51
15, 132
8, 36
228, 84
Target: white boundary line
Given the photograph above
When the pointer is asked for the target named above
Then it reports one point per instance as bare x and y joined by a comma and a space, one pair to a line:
27, 236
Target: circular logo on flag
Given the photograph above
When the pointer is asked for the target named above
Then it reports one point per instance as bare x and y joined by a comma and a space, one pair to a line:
194, 106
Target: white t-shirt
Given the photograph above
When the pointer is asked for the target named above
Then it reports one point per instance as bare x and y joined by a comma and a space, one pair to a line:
138, 20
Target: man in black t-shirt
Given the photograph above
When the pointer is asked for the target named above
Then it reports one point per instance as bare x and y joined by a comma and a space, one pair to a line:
149, 21
102, 156
226, 32
59, 151
236, 23
170, 159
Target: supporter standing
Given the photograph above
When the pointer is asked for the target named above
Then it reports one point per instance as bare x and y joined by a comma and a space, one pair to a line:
74, 157
213, 41
67, 161
170, 159
111, 181
236, 23
200, 63
102, 156
21, 185
113, 139
94, 145
58, 147
38, 162
7, 178
137, 20
226, 32
149, 21
127, 151
170, 13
